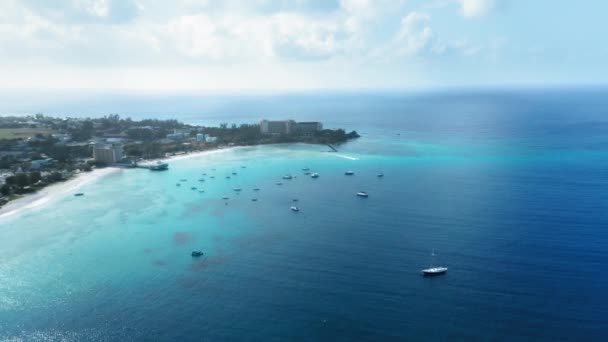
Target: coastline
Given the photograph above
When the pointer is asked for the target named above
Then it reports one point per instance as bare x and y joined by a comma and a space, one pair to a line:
53, 192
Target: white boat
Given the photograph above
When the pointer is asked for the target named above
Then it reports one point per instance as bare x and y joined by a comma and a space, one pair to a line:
349, 173
314, 175
434, 270
294, 208
381, 174
159, 166
237, 189
362, 194
287, 177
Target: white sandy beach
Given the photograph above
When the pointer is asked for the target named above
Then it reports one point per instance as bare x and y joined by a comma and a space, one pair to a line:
69, 187
53, 192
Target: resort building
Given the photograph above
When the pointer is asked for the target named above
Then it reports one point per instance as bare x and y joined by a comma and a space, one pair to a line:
308, 127
107, 154
289, 126
277, 127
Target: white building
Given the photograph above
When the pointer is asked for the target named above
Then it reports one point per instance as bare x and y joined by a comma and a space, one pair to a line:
107, 154
277, 127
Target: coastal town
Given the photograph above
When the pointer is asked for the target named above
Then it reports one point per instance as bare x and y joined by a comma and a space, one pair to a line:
39, 150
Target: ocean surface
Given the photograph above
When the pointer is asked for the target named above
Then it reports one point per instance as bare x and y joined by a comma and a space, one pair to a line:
509, 188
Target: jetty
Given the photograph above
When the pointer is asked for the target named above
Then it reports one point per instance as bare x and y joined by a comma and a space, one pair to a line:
158, 166
333, 149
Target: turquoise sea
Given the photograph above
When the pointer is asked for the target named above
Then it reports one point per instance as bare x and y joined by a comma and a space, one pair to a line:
508, 188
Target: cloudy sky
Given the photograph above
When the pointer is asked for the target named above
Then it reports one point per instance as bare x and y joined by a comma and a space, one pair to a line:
231, 45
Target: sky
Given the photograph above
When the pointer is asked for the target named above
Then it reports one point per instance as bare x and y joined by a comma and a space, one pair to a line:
282, 45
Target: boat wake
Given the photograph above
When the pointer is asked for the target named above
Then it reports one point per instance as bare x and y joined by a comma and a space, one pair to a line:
343, 156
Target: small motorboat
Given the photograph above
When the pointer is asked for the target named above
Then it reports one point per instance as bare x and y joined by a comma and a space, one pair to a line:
279, 183
287, 177
193, 188
295, 200
349, 173
201, 191
178, 184
197, 253
227, 177
201, 180
243, 167
256, 189
204, 173
234, 173
380, 175
314, 175
307, 173
183, 180
79, 194
225, 197
306, 169
294, 208
237, 189
212, 177
362, 194
254, 200
434, 271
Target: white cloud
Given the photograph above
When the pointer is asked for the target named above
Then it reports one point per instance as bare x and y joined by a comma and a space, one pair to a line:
414, 33
334, 38
195, 36
476, 8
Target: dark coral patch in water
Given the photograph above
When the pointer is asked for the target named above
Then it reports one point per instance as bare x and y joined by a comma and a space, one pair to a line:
160, 263
182, 238
211, 261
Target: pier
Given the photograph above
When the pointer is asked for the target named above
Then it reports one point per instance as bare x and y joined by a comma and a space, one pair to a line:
333, 149
158, 166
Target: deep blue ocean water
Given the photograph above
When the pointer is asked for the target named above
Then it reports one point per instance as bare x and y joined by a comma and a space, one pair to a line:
508, 188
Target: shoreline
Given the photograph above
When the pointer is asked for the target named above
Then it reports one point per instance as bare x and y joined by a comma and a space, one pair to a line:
56, 191
53, 192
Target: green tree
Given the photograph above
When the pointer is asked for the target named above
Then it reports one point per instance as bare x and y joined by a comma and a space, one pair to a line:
5, 189
22, 180
35, 177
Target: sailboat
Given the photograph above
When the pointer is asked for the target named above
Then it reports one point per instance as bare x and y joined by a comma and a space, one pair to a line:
434, 270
